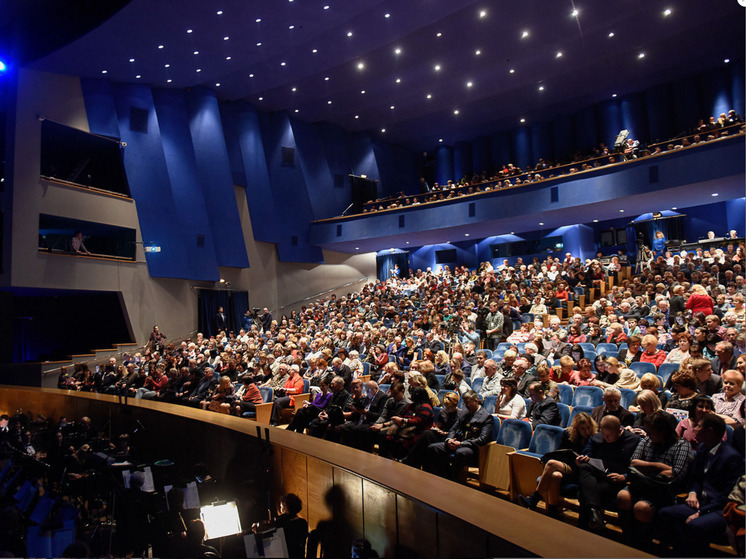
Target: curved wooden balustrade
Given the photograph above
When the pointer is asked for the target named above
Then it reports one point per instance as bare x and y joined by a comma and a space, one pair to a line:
386, 502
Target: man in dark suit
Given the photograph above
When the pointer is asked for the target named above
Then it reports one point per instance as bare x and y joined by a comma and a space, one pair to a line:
472, 430
601, 481
691, 526
725, 359
364, 411
332, 414
542, 410
613, 406
221, 320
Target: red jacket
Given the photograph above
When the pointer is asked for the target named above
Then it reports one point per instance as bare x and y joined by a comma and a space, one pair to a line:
697, 303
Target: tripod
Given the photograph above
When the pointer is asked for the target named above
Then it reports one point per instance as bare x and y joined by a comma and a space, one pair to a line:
643, 257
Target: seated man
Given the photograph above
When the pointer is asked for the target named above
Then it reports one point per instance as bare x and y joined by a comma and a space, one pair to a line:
361, 417
472, 429
692, 525
612, 406
331, 414
364, 435
601, 479
542, 410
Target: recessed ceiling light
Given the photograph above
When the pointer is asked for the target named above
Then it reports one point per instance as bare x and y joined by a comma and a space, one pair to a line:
104, 71
357, 248
169, 80
259, 44
391, 107
261, 98
439, 34
541, 223
611, 34
541, 88
314, 51
357, 116
621, 211
166, 65
258, 20
727, 60
132, 59
189, 31
326, 7
477, 52
466, 234
349, 33
386, 15
441, 140
512, 70
714, 194
226, 38
429, 96
575, 13
641, 55
437, 67
160, 46
326, 79
217, 84
397, 50
469, 84
138, 76
524, 34
360, 65
294, 89
613, 94
674, 208
667, 12
251, 75
220, 12
383, 130
398, 80
407, 242
196, 52
362, 92
227, 57
483, 13
297, 110
291, 26
512, 232
595, 221
455, 111
199, 69
559, 54
283, 63
523, 120
329, 102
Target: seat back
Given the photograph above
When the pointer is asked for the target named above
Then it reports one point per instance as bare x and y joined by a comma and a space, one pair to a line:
436, 414
566, 393
267, 393
546, 438
488, 352
503, 345
467, 380
587, 346
587, 396
496, 427
604, 347
497, 355
489, 403
476, 384
384, 388
442, 393
666, 370
564, 414
578, 409
514, 433
642, 367
627, 397
366, 368
590, 355
306, 386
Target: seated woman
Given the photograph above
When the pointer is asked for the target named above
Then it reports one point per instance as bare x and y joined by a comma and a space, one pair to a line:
561, 373
418, 380
576, 336
577, 352
651, 353
410, 426
686, 427
607, 371
584, 375
442, 366
647, 404
437, 434
561, 469
685, 385
311, 410
681, 351
247, 396
615, 334
284, 397
222, 398
662, 457
510, 405
651, 382
729, 404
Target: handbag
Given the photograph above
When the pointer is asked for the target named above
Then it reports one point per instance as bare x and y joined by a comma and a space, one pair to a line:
657, 488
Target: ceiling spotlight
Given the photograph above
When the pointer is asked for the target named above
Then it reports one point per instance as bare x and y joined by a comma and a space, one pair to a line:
667, 12
387, 15
357, 248
714, 194
429, 96
674, 208
469, 84
439, 34
398, 80
541, 88
314, 51
613, 94
360, 65
169, 80
189, 30
727, 60
362, 92
466, 234
397, 50
294, 89
226, 38
217, 84
541, 223
258, 20
227, 57
595, 221
104, 71
455, 111
296, 110
391, 107
641, 55
283, 64
357, 116
160, 46
261, 98
621, 211
166, 65
524, 34
259, 44
575, 13
483, 13
199, 69
326, 79
291, 26
326, 7
196, 52
611, 34
251, 75
477, 52
383, 130
523, 120
132, 59
220, 12
441, 140
437, 68
349, 33
138, 76
512, 70
329, 102
559, 54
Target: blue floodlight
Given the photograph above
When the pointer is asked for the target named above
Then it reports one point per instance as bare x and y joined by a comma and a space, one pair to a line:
3, 66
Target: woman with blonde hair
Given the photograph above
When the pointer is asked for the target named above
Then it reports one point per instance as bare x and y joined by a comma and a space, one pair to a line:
416, 380
560, 466
651, 383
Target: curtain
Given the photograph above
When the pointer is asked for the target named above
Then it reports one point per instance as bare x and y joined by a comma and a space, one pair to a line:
208, 302
239, 304
386, 262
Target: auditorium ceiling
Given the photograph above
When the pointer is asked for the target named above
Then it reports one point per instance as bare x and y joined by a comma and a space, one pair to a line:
417, 72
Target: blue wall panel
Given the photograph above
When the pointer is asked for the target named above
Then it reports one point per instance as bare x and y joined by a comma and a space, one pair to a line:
233, 145
317, 175
735, 211
562, 137
634, 117
462, 160
584, 130
737, 87
501, 154
541, 141
147, 174
99, 107
245, 132
522, 146
213, 166
444, 170
173, 120
481, 156
609, 119
338, 158
660, 113
363, 158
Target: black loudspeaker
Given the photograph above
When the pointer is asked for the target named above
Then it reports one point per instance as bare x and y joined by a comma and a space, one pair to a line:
363, 190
